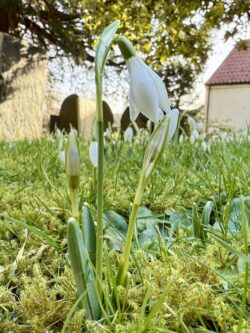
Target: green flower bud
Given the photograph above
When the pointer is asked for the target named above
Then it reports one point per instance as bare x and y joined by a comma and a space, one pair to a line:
72, 160
126, 47
163, 132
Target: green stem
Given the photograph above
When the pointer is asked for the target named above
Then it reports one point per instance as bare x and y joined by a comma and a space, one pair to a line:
244, 223
94, 183
124, 262
99, 231
244, 299
74, 204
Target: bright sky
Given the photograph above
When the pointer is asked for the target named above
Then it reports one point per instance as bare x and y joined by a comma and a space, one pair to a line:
221, 49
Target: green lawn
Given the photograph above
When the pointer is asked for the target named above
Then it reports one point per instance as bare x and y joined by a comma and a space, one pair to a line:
184, 277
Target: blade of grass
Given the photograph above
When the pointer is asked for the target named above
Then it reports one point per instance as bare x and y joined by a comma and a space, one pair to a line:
36, 231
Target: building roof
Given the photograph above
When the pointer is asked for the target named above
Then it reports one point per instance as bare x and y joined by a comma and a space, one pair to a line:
234, 69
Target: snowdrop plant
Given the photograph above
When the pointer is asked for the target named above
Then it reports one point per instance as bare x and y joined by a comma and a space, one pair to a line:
72, 165
93, 153
60, 139
93, 156
102, 51
197, 135
163, 133
128, 134
85, 237
147, 95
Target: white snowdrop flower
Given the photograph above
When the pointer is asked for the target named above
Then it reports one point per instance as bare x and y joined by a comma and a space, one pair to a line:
195, 133
194, 136
93, 153
192, 139
148, 93
209, 147
149, 126
192, 123
128, 134
223, 135
181, 138
60, 139
61, 156
107, 133
199, 126
204, 146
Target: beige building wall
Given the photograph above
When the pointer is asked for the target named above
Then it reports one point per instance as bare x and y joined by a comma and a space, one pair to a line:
24, 71
227, 106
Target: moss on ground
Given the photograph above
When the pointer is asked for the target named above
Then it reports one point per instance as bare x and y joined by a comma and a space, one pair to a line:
201, 283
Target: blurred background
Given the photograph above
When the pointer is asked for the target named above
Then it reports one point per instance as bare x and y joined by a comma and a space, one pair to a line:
200, 49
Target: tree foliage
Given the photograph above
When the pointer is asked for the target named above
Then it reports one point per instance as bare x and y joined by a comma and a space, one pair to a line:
172, 36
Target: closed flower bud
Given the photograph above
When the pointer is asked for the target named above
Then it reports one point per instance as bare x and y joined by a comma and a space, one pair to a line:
163, 133
62, 157
72, 160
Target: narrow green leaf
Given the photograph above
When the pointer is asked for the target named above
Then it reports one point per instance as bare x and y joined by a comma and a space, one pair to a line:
207, 213
104, 45
83, 271
36, 231
89, 232
196, 221
70, 314
115, 229
245, 258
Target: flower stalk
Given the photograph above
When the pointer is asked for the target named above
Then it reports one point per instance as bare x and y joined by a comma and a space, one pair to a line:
100, 156
162, 133
103, 47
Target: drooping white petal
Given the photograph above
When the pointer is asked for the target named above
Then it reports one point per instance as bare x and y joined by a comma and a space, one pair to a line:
143, 90
107, 133
128, 134
164, 101
60, 139
173, 115
161, 89
93, 153
191, 123
195, 133
159, 114
133, 110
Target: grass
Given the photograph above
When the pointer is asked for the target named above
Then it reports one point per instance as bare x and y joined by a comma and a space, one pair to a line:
180, 284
